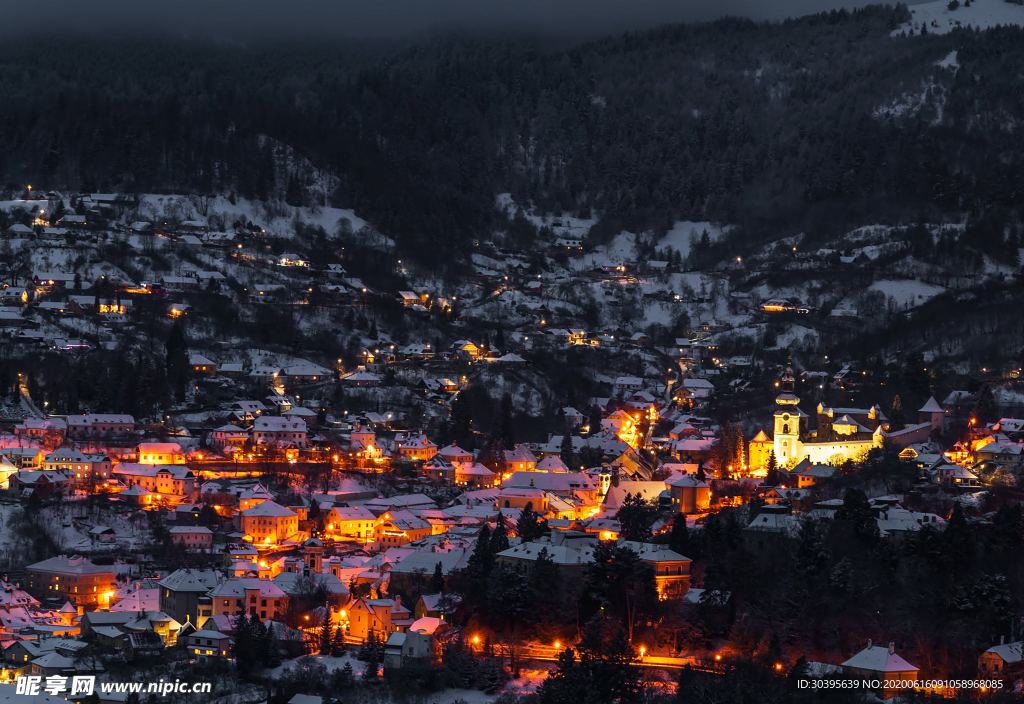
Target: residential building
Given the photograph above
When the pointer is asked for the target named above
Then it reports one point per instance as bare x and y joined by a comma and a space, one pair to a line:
280, 431
1004, 661
160, 453
207, 645
689, 494
416, 447
199, 538
73, 579
168, 483
268, 523
100, 425
256, 597
80, 467
382, 616
182, 590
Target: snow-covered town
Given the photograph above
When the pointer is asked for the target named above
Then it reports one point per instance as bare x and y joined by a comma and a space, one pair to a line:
401, 376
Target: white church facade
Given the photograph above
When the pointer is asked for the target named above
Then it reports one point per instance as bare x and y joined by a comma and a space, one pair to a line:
841, 434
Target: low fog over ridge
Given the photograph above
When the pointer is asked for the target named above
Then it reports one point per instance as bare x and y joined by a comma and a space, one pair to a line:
380, 18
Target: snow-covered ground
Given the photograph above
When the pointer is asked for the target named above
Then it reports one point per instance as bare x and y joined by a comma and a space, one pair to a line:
982, 14
684, 233
620, 251
949, 61
907, 293
277, 218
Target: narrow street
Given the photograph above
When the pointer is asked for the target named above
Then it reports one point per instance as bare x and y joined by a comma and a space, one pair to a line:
26, 399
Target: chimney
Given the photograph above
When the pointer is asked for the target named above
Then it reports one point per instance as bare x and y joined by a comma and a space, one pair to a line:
869, 642
892, 648
1002, 640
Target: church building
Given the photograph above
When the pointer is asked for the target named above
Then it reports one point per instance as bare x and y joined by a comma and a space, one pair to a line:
840, 434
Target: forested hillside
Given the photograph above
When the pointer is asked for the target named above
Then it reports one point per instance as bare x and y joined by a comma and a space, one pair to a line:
812, 125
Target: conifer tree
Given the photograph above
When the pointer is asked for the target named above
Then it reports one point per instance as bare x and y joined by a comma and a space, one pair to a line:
272, 654
326, 635
896, 421
489, 677
772, 478
565, 452
348, 677
372, 671
244, 649
679, 537
338, 643
499, 538
436, 585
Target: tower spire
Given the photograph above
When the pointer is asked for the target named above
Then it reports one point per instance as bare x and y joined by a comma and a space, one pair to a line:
787, 389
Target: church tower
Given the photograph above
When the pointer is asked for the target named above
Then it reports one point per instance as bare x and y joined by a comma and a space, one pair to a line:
314, 555
787, 420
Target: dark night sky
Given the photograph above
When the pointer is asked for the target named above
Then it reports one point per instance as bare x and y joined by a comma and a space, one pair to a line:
240, 19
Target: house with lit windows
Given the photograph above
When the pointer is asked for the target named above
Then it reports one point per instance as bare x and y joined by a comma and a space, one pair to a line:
380, 616
167, 483
80, 467
255, 597
416, 447
352, 522
228, 436
268, 523
209, 645
398, 527
160, 453
73, 579
453, 453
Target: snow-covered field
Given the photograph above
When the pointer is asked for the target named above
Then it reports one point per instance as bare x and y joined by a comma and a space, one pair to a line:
949, 61
276, 219
684, 233
908, 293
982, 14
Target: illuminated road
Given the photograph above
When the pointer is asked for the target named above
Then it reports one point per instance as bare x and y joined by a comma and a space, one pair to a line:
26, 400
550, 654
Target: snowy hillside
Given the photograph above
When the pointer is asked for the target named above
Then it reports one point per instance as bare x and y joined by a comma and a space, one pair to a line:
981, 14
684, 233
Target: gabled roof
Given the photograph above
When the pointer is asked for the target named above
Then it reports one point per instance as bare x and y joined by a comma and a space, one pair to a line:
879, 659
931, 407
552, 463
1009, 652
236, 588
269, 509
215, 635
187, 580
